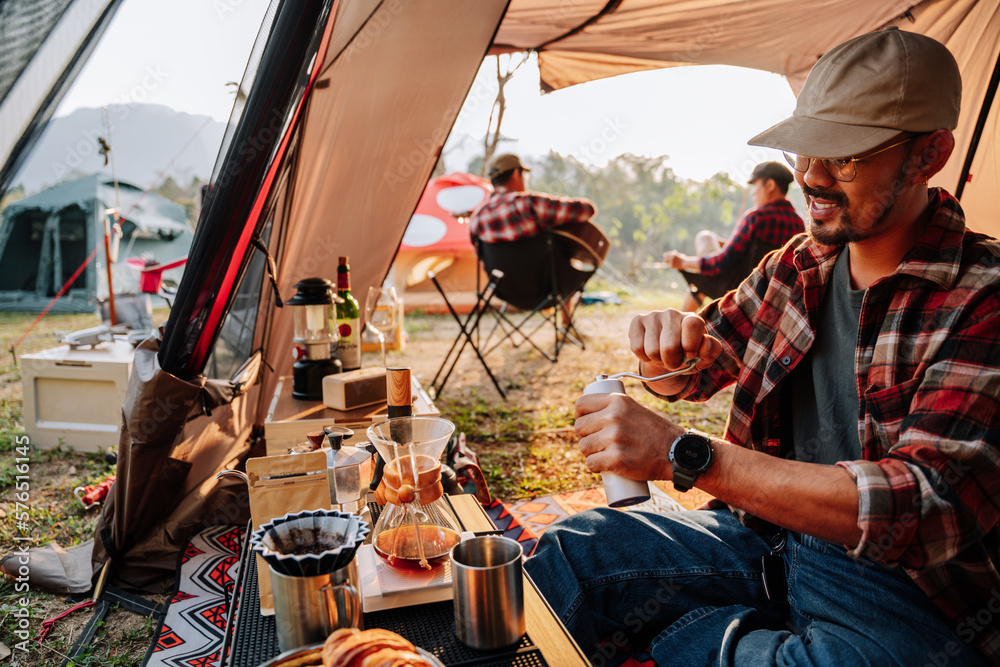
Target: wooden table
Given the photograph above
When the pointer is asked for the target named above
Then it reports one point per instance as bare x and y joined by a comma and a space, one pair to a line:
289, 419
254, 639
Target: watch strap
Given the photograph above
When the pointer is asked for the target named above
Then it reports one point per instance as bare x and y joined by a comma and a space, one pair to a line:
683, 481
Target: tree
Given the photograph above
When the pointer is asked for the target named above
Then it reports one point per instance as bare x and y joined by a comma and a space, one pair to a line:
643, 207
504, 73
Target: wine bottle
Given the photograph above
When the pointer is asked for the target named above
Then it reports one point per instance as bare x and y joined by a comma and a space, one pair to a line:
348, 320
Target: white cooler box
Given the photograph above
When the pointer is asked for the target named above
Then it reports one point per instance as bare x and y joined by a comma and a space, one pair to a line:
74, 397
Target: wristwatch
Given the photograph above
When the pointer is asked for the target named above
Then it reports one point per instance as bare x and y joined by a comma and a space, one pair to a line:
690, 456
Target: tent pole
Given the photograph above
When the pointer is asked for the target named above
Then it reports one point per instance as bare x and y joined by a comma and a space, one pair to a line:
107, 224
984, 112
107, 265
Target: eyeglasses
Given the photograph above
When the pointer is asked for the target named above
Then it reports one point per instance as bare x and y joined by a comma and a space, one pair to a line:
841, 169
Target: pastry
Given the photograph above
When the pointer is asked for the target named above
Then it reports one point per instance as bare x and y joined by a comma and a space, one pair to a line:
390, 657
349, 648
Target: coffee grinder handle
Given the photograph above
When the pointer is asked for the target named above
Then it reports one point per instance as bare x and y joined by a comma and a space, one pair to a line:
620, 491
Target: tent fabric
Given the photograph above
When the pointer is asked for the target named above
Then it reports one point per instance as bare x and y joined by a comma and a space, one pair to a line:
593, 39
373, 130
437, 241
235, 209
434, 225
52, 568
176, 435
45, 43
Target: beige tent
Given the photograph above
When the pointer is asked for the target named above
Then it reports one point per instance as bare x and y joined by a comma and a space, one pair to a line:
350, 103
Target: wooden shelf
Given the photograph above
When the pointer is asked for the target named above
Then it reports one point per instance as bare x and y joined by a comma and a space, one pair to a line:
289, 419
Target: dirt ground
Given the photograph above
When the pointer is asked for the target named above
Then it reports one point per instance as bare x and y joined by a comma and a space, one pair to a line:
525, 445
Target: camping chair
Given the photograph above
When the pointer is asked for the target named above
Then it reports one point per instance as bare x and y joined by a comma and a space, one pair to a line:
467, 327
541, 275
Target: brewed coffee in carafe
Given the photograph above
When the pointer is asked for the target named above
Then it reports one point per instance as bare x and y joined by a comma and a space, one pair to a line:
416, 529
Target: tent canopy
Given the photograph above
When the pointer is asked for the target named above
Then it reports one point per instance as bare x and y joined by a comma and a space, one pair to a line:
45, 44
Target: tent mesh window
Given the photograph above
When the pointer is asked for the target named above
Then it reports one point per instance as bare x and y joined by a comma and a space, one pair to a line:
235, 342
24, 25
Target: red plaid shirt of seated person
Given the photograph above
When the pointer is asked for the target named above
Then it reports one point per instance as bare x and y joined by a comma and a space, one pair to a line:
774, 223
509, 215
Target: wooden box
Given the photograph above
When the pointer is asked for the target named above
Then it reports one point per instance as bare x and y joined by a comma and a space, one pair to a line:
74, 397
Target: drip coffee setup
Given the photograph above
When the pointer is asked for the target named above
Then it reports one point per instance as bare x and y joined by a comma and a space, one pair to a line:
353, 525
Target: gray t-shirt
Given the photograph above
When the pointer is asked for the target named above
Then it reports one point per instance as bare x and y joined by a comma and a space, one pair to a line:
824, 397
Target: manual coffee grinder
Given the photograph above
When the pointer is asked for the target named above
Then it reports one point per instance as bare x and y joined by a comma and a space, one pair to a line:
315, 337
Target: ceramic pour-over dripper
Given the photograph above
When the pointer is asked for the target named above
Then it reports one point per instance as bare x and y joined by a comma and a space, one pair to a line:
416, 530
310, 543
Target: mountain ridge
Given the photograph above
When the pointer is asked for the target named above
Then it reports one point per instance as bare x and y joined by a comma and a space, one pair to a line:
149, 143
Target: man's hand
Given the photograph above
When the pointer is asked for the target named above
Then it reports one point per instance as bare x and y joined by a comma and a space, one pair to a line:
664, 339
681, 262
618, 435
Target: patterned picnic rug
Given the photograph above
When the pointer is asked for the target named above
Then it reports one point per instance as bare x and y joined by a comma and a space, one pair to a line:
526, 520
192, 631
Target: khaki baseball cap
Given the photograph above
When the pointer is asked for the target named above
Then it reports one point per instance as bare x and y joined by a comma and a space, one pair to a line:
505, 162
866, 91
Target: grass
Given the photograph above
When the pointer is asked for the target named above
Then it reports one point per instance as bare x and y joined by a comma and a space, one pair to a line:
53, 516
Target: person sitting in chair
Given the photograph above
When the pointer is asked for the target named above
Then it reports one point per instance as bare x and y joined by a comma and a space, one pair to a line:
722, 265
512, 212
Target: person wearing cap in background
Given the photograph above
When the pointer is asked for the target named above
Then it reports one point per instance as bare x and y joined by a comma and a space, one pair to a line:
722, 265
512, 212
857, 488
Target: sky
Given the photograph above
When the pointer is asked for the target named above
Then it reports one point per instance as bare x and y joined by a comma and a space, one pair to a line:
700, 116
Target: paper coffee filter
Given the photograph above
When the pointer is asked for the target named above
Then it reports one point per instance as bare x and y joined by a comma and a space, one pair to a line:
310, 543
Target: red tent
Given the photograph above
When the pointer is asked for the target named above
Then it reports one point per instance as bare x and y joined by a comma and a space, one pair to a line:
437, 240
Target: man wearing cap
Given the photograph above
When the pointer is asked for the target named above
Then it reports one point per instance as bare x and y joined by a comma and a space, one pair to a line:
857, 486
722, 266
511, 212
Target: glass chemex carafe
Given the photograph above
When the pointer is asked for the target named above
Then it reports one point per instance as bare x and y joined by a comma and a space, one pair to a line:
416, 529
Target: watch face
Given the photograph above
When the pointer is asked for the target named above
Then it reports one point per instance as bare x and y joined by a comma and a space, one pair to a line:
692, 453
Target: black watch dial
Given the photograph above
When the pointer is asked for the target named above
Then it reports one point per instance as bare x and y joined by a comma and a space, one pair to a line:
692, 453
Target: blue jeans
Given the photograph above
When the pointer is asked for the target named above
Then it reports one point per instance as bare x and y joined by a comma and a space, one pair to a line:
688, 585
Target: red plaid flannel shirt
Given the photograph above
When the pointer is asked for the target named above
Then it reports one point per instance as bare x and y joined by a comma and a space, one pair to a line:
774, 223
928, 377
508, 215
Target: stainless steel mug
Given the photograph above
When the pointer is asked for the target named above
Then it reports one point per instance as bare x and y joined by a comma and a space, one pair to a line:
620, 491
308, 609
488, 586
